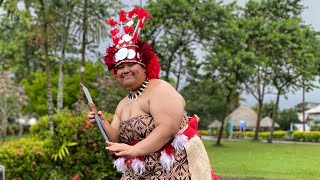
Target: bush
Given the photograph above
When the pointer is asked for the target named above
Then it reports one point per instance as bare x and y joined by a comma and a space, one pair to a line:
238, 134
78, 151
312, 136
250, 134
26, 159
203, 132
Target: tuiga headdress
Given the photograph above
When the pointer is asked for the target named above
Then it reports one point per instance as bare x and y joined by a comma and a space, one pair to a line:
127, 47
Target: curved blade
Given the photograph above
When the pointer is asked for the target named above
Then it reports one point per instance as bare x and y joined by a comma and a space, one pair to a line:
86, 92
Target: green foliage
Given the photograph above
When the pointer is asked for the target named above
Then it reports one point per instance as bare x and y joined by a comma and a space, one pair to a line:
312, 136
287, 116
203, 132
277, 135
204, 99
35, 85
78, 150
26, 159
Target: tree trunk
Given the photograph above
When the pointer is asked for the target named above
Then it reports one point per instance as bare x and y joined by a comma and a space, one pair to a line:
47, 68
179, 74
259, 117
226, 113
274, 116
83, 53
303, 107
63, 47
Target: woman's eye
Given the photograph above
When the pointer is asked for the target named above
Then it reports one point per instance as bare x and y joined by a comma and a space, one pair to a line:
120, 67
130, 64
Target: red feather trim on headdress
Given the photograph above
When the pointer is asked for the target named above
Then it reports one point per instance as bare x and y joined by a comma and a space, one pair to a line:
141, 24
142, 13
128, 30
150, 59
132, 12
115, 40
112, 22
114, 32
109, 58
122, 16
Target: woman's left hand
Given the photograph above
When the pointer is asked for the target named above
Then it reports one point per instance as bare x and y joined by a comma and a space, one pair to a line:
122, 149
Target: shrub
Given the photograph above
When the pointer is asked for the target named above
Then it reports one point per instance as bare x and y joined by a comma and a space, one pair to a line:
238, 134
298, 136
26, 159
312, 136
78, 151
203, 132
249, 134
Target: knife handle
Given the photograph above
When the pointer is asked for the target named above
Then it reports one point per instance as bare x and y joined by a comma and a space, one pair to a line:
92, 107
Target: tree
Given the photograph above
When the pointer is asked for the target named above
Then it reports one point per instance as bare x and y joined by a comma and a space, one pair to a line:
172, 32
226, 62
11, 101
286, 117
36, 82
89, 27
207, 101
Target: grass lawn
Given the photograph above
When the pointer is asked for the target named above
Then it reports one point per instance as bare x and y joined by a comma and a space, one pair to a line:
262, 160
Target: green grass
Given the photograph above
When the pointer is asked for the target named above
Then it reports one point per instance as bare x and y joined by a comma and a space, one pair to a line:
248, 159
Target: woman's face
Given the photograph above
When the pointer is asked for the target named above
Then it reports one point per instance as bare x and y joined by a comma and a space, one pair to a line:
131, 75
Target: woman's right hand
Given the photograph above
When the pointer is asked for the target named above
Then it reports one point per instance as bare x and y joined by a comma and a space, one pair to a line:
91, 119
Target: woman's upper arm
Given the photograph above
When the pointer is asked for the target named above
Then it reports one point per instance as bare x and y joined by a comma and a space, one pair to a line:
167, 106
116, 117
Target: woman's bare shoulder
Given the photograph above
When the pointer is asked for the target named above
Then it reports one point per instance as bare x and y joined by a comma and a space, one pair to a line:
120, 106
159, 83
163, 89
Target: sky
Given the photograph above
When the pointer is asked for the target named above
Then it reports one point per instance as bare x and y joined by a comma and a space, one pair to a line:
311, 16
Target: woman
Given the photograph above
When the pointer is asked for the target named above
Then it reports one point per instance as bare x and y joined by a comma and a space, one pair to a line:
150, 132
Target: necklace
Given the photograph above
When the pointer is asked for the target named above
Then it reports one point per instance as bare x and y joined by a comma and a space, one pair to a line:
139, 92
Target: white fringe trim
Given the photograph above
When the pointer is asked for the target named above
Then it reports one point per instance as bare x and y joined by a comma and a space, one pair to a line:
179, 142
138, 166
166, 160
120, 164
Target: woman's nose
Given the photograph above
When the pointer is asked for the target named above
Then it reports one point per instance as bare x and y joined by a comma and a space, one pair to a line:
125, 69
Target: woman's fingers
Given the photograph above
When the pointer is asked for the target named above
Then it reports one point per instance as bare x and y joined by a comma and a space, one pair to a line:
121, 149
90, 117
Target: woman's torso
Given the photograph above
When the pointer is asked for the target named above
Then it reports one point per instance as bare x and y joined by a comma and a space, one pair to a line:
136, 129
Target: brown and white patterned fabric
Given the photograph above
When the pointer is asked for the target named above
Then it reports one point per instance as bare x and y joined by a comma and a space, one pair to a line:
137, 129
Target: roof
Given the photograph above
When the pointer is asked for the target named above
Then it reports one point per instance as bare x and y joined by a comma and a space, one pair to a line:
215, 124
245, 113
314, 110
267, 122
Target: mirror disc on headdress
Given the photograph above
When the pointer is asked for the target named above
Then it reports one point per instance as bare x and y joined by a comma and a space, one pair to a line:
131, 54
129, 23
126, 37
121, 54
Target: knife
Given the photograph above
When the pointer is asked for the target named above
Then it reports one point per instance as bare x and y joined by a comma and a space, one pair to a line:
92, 107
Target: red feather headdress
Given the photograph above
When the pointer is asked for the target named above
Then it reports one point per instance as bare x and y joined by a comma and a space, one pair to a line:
127, 47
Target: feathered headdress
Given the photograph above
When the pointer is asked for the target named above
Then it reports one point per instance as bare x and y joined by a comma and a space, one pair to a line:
127, 47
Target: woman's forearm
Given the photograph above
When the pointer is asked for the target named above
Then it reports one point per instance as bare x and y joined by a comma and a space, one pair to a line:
161, 135
111, 132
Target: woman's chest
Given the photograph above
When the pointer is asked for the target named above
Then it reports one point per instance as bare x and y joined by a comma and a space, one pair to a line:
134, 108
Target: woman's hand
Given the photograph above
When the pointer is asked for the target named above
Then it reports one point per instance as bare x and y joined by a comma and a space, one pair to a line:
91, 119
122, 149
